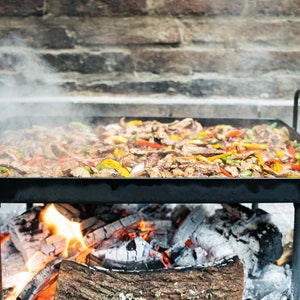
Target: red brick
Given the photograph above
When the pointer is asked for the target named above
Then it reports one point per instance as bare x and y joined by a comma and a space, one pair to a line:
55, 38
295, 7
204, 86
97, 8
218, 61
21, 8
128, 31
241, 32
89, 62
274, 7
174, 7
185, 61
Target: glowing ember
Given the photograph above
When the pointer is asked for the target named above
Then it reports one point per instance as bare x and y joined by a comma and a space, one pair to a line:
4, 237
63, 227
144, 230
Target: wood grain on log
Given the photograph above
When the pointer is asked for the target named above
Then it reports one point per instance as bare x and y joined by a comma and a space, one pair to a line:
77, 281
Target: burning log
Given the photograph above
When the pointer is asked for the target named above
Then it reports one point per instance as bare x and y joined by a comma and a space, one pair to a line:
106, 231
287, 254
77, 281
139, 247
69, 211
193, 221
27, 234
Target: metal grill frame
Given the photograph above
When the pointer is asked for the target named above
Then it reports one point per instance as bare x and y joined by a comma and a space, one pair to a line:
169, 190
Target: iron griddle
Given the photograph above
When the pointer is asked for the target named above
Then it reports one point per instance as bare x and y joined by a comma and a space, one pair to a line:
167, 190
148, 190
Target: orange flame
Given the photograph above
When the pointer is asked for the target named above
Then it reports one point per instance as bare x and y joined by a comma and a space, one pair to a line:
142, 229
23, 278
145, 231
63, 227
33, 265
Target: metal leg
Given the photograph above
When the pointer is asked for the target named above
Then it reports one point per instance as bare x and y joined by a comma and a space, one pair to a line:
254, 206
0, 268
296, 255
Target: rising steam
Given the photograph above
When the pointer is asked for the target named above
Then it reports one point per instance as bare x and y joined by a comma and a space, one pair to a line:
23, 72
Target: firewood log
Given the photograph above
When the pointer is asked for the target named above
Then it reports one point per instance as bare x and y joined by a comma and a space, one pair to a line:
77, 281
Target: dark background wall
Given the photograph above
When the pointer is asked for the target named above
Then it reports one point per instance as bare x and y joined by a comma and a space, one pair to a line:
204, 48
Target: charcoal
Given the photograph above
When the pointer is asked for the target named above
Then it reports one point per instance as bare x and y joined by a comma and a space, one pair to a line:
132, 251
270, 244
195, 219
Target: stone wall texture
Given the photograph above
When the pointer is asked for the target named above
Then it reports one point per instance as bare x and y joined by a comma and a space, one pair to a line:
197, 48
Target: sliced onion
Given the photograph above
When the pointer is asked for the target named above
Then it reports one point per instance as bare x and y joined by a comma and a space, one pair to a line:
138, 170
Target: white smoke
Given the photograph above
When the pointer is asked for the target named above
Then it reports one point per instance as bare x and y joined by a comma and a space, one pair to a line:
23, 73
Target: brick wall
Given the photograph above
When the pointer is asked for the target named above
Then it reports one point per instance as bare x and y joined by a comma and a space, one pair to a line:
200, 48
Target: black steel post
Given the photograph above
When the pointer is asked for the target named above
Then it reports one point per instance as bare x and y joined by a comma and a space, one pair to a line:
295, 110
254, 206
296, 255
0, 268
296, 242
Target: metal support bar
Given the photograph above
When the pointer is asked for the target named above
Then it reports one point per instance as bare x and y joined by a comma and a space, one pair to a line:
295, 109
296, 242
296, 255
254, 206
1, 289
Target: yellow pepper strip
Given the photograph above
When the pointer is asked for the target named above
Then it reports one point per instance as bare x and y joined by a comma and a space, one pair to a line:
251, 145
203, 158
134, 123
118, 152
118, 139
293, 176
260, 160
58, 171
200, 135
277, 167
195, 142
114, 165
223, 126
217, 146
280, 154
184, 134
219, 156
174, 137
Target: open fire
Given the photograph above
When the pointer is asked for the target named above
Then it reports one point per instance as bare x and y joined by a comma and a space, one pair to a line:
141, 238
60, 225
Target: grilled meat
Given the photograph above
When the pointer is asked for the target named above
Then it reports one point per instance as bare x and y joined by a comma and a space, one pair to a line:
182, 148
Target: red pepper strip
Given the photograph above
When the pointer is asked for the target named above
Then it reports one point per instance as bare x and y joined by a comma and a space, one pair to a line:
295, 167
149, 144
292, 151
272, 161
234, 133
87, 162
37, 159
275, 164
226, 173
63, 160
4, 237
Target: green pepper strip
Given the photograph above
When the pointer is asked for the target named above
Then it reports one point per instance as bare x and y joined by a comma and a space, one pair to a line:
4, 170
246, 173
233, 161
